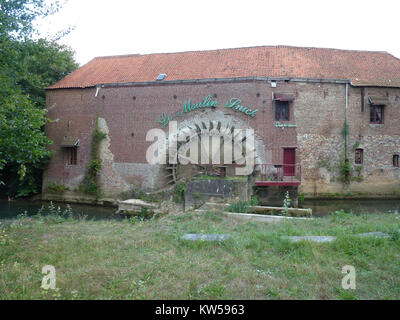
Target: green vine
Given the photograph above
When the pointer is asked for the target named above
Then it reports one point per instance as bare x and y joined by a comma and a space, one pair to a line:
179, 192
356, 145
345, 167
91, 185
345, 171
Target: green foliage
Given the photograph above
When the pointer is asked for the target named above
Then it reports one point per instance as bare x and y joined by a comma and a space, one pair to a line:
356, 145
345, 131
254, 200
57, 188
179, 192
51, 215
300, 198
94, 167
143, 213
16, 17
240, 206
26, 67
286, 204
345, 171
91, 185
324, 163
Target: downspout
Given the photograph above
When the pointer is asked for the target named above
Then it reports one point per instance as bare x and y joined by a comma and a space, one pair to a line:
347, 123
346, 139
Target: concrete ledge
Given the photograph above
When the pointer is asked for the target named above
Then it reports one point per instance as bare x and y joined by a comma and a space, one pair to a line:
135, 204
260, 209
261, 217
80, 199
257, 217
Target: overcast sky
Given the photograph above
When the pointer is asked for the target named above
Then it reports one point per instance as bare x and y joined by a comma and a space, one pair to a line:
114, 27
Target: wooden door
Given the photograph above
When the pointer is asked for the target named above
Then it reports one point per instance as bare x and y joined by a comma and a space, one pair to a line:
289, 161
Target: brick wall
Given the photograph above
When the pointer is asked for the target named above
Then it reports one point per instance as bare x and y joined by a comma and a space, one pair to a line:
127, 113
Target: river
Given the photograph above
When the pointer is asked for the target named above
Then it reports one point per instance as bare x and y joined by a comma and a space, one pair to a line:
9, 210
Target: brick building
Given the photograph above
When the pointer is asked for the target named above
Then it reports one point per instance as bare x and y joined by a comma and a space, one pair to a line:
297, 100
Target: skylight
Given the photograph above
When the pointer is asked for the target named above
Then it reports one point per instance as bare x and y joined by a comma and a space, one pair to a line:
161, 76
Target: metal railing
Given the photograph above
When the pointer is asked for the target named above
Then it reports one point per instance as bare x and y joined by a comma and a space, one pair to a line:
280, 172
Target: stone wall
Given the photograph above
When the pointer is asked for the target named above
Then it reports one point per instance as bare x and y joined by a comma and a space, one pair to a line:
320, 118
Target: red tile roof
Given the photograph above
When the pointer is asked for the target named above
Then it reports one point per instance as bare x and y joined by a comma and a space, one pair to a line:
361, 67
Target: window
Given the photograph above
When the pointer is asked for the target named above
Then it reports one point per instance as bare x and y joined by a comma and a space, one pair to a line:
396, 160
72, 156
281, 110
376, 114
359, 158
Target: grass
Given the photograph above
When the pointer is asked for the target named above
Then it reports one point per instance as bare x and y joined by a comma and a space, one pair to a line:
133, 259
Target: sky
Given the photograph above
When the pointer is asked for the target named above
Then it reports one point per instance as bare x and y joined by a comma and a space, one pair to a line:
117, 27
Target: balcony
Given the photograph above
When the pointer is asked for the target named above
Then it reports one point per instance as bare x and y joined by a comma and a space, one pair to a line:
279, 175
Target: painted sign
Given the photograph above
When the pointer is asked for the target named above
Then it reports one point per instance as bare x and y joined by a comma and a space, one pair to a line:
284, 125
208, 102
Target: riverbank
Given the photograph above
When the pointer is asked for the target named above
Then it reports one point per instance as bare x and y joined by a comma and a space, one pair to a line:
133, 259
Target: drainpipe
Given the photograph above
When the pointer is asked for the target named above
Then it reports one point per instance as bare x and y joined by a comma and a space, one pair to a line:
97, 90
346, 137
347, 122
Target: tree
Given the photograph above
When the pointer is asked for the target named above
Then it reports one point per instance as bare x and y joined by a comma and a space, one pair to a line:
26, 67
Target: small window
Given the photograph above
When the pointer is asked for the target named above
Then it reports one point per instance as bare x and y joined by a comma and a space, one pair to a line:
161, 76
396, 160
282, 110
359, 158
72, 156
376, 114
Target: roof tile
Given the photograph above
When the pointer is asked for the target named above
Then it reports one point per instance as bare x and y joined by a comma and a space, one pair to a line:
361, 67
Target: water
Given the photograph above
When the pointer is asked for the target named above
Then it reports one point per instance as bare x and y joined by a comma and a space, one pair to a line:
9, 210
325, 207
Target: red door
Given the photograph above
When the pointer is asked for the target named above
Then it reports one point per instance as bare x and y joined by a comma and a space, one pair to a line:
289, 161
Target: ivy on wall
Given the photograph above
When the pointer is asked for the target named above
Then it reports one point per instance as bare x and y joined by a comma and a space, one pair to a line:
91, 183
345, 167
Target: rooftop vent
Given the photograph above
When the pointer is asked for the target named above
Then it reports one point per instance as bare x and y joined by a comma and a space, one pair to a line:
161, 77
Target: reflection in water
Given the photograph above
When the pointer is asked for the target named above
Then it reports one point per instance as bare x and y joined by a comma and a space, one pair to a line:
320, 207
324, 207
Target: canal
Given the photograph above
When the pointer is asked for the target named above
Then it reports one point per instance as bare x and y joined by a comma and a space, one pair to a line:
9, 210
